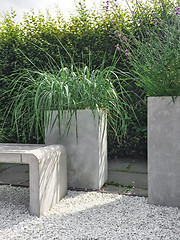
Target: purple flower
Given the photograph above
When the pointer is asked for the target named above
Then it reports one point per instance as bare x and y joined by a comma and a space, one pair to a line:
139, 20
119, 35
177, 8
146, 42
117, 48
126, 52
119, 16
177, 13
151, 20
115, 32
155, 20
153, 13
112, 21
107, 2
132, 12
125, 39
107, 7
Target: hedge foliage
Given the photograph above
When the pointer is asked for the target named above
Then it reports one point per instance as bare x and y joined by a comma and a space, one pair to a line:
87, 37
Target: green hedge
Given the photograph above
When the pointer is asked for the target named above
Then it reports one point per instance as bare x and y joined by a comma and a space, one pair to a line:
84, 38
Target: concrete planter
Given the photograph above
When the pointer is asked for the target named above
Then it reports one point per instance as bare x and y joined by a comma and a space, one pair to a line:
87, 153
164, 151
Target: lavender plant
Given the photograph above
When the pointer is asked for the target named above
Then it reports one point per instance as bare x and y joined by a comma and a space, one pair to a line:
151, 45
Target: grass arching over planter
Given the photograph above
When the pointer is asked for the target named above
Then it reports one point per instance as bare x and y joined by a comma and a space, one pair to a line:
67, 88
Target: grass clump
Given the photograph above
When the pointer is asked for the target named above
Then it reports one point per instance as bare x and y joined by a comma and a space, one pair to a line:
36, 93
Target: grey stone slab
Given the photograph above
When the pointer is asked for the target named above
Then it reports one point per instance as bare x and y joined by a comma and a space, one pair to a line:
139, 191
10, 157
138, 166
112, 188
117, 166
14, 174
132, 179
124, 190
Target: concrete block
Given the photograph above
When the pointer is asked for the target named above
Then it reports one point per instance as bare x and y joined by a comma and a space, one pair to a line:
86, 147
47, 171
164, 151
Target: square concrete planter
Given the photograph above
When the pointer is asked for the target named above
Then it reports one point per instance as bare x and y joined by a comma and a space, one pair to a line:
86, 147
164, 151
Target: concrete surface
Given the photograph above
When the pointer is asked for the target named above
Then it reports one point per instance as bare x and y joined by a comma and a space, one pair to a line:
164, 151
86, 146
47, 172
127, 176
14, 174
136, 179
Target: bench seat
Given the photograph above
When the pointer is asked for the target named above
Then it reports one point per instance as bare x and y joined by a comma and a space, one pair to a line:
47, 172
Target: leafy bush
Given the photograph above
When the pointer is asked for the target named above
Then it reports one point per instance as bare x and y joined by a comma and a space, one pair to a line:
89, 37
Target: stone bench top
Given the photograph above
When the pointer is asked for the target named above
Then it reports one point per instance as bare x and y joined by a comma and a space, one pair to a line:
19, 148
13, 153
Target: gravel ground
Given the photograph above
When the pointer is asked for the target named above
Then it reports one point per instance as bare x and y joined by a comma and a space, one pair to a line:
87, 215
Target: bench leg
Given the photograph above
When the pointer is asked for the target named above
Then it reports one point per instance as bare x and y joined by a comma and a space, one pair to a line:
48, 178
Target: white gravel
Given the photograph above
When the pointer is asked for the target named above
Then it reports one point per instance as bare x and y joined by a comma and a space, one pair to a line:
87, 215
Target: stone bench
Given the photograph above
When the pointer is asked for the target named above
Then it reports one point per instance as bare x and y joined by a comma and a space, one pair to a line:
47, 172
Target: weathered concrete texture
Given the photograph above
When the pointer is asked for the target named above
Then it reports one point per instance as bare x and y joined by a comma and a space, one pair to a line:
86, 146
164, 151
47, 170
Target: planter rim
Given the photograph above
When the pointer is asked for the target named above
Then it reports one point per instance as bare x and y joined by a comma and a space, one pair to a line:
163, 96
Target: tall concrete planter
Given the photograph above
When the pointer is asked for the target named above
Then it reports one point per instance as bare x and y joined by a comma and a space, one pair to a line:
86, 147
164, 151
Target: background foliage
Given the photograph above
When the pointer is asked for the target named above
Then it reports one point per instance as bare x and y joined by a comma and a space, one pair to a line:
88, 38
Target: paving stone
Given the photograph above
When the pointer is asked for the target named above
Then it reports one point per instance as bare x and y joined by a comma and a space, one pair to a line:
15, 174
118, 166
112, 188
138, 166
132, 179
138, 191
4, 166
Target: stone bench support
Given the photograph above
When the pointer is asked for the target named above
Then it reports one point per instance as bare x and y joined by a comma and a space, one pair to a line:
47, 172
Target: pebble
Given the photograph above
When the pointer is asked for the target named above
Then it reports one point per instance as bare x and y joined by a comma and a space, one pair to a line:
87, 215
